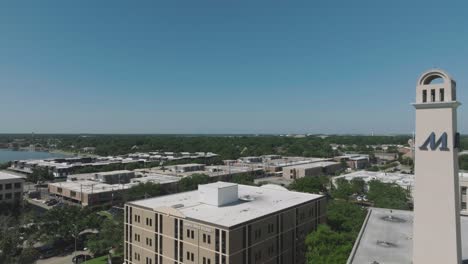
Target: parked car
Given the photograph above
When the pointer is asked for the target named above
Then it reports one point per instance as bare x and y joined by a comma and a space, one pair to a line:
81, 258
51, 202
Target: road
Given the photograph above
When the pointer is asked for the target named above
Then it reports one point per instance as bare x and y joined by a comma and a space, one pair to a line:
61, 259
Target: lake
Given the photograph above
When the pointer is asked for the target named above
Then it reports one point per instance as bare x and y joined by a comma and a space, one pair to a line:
9, 155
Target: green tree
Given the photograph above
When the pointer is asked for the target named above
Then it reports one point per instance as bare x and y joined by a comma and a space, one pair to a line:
110, 237
332, 243
40, 174
243, 178
358, 185
326, 246
388, 195
310, 184
191, 182
343, 189
143, 190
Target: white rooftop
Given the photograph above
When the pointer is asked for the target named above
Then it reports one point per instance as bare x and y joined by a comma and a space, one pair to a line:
8, 176
90, 187
313, 165
386, 239
254, 203
402, 179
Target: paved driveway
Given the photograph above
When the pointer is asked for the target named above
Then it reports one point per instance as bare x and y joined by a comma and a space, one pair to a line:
61, 259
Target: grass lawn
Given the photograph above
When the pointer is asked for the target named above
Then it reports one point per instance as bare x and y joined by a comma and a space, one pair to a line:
102, 259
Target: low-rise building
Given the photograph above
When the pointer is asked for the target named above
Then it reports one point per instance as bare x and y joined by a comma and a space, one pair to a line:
222, 223
311, 169
87, 193
11, 188
405, 181
384, 157
187, 167
354, 161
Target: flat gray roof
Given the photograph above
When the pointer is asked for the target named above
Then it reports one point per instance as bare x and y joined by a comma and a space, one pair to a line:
8, 176
389, 240
261, 201
312, 165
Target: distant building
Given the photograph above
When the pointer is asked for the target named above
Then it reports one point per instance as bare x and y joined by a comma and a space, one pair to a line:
187, 167
311, 169
354, 161
384, 157
96, 189
406, 181
87, 193
222, 223
11, 188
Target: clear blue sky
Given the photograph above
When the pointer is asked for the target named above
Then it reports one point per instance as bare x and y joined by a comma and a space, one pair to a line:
224, 66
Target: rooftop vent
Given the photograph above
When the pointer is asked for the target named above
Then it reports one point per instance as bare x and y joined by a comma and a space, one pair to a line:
218, 193
177, 206
393, 219
386, 244
247, 198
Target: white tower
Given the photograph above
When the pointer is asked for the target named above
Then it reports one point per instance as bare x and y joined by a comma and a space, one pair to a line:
436, 196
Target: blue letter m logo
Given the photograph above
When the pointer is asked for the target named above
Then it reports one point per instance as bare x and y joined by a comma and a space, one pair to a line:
433, 144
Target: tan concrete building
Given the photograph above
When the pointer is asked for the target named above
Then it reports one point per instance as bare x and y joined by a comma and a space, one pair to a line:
11, 188
311, 169
222, 223
436, 217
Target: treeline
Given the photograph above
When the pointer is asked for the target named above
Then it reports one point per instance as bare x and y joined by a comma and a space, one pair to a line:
229, 147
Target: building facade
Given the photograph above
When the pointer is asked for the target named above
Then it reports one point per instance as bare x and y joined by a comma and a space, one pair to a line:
222, 223
310, 170
11, 188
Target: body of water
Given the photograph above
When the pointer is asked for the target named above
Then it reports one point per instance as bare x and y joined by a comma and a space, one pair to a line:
9, 155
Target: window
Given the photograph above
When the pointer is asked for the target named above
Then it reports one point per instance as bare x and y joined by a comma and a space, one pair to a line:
204, 260
18, 185
17, 195
432, 95
8, 196
441, 95
204, 238
209, 239
1, 197
188, 255
463, 205
271, 228
72, 194
193, 234
424, 96
463, 190
1, 187
8, 186
188, 233
192, 257
223, 241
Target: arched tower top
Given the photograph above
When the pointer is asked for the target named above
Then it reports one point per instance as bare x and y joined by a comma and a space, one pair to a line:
429, 76
435, 86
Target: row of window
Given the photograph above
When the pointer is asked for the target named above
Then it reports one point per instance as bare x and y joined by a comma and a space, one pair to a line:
9, 196
9, 186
